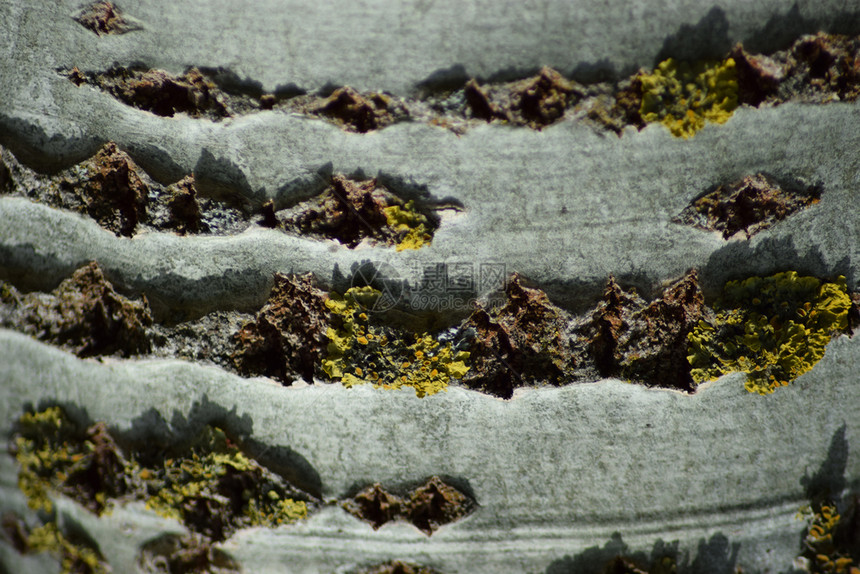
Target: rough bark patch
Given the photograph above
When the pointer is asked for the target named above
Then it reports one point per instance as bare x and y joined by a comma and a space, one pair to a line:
350, 211
429, 507
535, 102
375, 505
288, 337
183, 207
522, 343
627, 337
104, 18
825, 66
395, 567
83, 314
749, 205
360, 113
175, 554
162, 93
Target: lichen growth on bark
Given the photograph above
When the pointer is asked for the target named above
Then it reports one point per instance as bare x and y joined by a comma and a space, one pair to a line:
773, 328
351, 211
216, 489
360, 351
828, 538
411, 227
56, 454
684, 95
211, 486
74, 558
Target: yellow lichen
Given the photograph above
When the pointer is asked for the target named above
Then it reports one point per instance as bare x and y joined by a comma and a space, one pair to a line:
74, 558
54, 456
45, 454
683, 96
774, 329
183, 484
825, 555
412, 228
281, 511
48, 448
360, 352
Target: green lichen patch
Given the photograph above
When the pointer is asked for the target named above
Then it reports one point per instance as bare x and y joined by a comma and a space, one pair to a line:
175, 554
288, 337
55, 454
84, 314
684, 95
412, 229
521, 343
351, 211
773, 328
362, 351
429, 506
210, 485
749, 205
